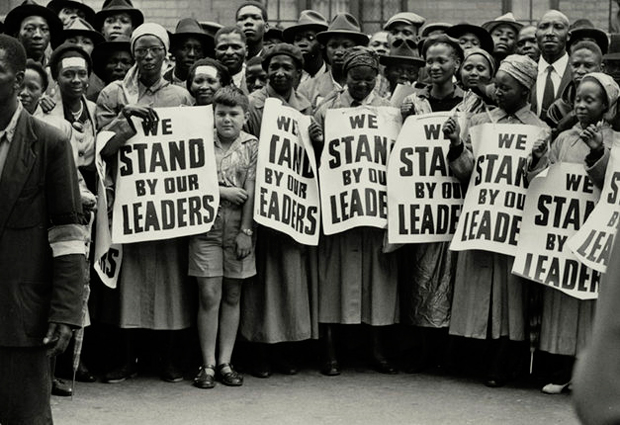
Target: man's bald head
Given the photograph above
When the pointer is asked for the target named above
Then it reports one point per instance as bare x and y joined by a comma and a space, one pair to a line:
552, 34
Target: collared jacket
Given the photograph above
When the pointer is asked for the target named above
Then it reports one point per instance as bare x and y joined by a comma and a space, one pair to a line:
257, 105
41, 270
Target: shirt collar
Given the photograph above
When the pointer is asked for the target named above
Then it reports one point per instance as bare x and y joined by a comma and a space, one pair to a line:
295, 101
559, 66
238, 77
347, 99
521, 114
8, 133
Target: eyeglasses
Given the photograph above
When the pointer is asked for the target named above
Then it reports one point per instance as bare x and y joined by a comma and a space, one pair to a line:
141, 52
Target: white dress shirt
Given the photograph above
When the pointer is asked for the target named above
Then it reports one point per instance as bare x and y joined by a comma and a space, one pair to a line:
559, 67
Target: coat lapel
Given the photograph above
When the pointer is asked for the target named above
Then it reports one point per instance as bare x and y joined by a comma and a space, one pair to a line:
19, 163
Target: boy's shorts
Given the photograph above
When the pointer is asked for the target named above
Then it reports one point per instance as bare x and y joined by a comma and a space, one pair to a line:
212, 254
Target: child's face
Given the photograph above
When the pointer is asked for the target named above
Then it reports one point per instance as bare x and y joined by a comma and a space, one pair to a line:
255, 77
229, 120
441, 63
590, 103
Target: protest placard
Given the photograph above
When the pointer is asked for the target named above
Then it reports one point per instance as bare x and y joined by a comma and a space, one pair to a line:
353, 170
556, 206
595, 240
287, 190
108, 256
166, 178
495, 198
424, 198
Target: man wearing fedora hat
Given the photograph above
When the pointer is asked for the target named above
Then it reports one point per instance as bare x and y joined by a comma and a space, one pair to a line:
35, 27
68, 10
470, 36
343, 33
117, 19
504, 31
403, 64
303, 35
583, 29
188, 44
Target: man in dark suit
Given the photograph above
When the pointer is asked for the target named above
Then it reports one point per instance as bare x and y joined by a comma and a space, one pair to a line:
42, 249
554, 74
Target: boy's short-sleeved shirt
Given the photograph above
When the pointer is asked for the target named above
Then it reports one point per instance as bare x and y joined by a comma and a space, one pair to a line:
237, 164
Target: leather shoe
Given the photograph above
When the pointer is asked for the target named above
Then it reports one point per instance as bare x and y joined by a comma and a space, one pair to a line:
172, 374
83, 374
205, 380
120, 374
495, 382
229, 377
287, 367
331, 368
383, 366
261, 370
61, 388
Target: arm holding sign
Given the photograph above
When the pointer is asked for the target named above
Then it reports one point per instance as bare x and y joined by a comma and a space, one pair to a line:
460, 157
598, 140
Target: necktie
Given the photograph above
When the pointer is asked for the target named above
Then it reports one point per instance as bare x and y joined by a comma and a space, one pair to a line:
548, 94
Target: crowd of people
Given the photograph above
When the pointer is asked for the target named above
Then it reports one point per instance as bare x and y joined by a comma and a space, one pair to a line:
83, 72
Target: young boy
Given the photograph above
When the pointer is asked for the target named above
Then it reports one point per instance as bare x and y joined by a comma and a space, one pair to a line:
221, 258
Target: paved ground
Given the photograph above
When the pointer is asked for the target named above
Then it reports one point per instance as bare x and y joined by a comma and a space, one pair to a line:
356, 397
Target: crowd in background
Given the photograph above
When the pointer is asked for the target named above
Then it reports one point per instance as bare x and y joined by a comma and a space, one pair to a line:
425, 307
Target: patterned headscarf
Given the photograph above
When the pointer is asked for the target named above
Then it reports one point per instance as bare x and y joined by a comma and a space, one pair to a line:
360, 56
521, 68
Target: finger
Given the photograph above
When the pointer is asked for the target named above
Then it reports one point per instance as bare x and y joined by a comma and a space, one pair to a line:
51, 331
154, 115
61, 345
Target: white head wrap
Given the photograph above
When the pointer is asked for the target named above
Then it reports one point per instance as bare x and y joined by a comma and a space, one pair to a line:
151, 28
521, 68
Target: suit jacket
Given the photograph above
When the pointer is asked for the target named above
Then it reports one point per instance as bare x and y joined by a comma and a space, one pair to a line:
566, 80
40, 209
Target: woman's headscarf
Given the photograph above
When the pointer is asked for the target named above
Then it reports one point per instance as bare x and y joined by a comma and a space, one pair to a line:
130, 82
522, 68
483, 53
610, 88
360, 56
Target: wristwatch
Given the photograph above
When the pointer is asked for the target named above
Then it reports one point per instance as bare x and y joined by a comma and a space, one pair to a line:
248, 232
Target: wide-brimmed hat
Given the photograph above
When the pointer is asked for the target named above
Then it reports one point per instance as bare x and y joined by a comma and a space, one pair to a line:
583, 28
79, 26
57, 5
408, 18
486, 41
346, 25
112, 7
274, 33
308, 20
102, 52
507, 19
190, 27
442, 38
403, 51
434, 26
29, 8
613, 53
210, 27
